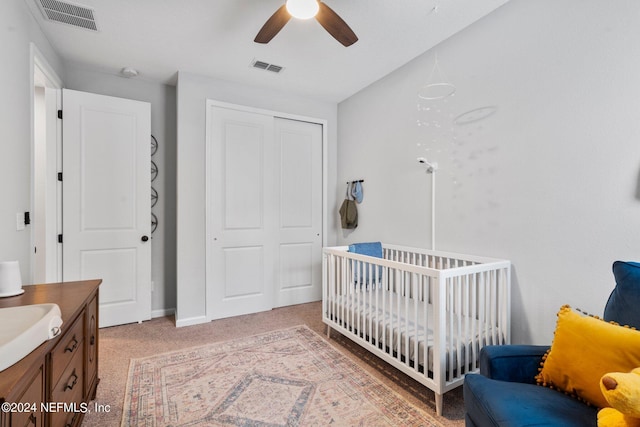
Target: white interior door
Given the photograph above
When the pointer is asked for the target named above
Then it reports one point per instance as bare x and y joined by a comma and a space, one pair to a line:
264, 211
241, 222
299, 169
106, 201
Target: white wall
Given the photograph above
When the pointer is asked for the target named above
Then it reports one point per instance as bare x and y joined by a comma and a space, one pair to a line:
192, 93
163, 126
17, 29
550, 181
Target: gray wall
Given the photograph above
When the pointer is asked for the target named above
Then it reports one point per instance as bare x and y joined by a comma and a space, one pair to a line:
163, 126
192, 93
550, 180
17, 29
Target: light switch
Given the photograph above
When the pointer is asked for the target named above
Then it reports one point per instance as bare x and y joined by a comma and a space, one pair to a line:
20, 221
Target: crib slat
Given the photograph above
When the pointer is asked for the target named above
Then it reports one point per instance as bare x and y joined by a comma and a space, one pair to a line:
407, 328
416, 315
427, 324
382, 322
458, 316
347, 293
468, 341
367, 312
473, 315
397, 329
449, 341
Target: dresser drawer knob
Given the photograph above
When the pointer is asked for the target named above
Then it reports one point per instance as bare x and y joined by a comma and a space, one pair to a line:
72, 383
73, 344
73, 420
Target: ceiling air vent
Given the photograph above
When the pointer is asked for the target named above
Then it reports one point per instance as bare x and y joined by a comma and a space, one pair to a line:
68, 13
266, 66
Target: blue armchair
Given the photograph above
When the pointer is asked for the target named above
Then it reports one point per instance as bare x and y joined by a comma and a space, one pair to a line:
505, 392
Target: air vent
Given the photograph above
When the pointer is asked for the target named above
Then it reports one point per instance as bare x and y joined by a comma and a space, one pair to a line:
68, 13
261, 65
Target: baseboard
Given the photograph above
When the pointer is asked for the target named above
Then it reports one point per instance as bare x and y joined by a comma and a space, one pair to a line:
191, 321
163, 312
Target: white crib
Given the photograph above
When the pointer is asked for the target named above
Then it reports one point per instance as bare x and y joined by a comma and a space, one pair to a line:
427, 313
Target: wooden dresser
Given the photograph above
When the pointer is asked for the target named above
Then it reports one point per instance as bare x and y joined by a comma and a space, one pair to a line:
53, 385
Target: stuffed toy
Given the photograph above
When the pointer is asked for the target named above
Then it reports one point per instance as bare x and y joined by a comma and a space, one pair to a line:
622, 391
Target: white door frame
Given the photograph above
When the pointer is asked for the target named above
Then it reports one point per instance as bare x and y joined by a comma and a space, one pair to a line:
43, 75
208, 177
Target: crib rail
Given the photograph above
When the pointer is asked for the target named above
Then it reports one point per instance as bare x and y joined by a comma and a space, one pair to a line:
427, 313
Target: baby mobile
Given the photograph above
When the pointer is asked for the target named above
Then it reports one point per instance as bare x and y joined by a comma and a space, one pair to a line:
436, 117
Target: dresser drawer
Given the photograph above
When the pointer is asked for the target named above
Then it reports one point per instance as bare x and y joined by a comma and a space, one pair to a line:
70, 381
69, 415
31, 398
70, 344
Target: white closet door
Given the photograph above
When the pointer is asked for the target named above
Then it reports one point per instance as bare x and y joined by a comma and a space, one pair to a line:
299, 168
241, 220
264, 212
106, 201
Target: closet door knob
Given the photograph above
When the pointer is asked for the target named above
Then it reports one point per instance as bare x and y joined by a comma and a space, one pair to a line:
145, 238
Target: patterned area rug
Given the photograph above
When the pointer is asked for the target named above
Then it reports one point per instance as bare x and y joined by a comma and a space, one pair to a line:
289, 377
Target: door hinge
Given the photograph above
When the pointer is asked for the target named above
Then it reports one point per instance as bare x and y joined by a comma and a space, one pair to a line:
60, 176
59, 238
60, 114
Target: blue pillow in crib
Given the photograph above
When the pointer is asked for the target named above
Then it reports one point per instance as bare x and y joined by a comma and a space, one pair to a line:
362, 269
371, 249
623, 303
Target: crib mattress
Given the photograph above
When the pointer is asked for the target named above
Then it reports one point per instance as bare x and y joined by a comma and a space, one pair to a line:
406, 327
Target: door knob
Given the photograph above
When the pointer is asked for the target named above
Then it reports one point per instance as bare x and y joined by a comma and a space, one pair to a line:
145, 238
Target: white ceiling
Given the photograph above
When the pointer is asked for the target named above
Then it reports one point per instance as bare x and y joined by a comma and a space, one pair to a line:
215, 38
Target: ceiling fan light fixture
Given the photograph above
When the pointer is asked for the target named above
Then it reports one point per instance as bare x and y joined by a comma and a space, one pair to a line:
303, 9
325, 16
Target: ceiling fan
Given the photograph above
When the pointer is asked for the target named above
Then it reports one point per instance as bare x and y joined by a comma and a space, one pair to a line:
306, 9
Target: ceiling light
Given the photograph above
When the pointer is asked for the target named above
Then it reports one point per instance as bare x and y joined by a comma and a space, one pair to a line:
303, 9
129, 72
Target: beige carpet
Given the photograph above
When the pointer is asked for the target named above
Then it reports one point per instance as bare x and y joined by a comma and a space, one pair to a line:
288, 377
118, 345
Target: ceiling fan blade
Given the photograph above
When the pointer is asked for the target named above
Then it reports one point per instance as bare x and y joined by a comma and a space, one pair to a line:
335, 25
273, 25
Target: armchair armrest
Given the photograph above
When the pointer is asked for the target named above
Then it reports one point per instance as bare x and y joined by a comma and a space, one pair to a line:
514, 363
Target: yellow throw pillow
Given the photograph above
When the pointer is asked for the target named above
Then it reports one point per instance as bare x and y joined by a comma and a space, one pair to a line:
585, 348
